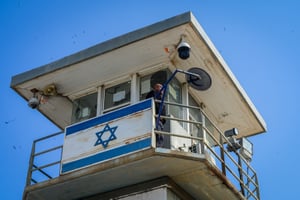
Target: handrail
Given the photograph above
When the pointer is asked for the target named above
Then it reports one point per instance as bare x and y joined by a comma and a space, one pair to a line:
44, 173
35, 154
48, 150
251, 180
225, 161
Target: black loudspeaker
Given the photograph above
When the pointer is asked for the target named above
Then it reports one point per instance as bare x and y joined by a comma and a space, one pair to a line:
200, 81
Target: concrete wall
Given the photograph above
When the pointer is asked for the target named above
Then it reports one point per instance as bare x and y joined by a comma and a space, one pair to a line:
162, 193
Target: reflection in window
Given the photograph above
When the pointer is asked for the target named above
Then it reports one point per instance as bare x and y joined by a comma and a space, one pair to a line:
195, 115
209, 125
197, 130
174, 95
148, 82
84, 108
117, 96
145, 86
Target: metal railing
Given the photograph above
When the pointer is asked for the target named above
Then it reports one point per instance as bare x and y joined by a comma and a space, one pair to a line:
38, 171
232, 164
45, 163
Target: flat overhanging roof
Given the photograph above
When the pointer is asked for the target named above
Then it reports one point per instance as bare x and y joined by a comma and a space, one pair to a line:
138, 52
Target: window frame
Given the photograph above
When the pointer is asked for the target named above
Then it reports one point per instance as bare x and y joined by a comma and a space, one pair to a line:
77, 120
104, 89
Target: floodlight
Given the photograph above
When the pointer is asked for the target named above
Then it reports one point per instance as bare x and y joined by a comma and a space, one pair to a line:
34, 102
233, 144
231, 132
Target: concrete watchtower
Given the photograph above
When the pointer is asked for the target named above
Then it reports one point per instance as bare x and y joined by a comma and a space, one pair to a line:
108, 143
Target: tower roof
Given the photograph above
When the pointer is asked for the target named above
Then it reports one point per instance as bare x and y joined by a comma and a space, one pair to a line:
140, 52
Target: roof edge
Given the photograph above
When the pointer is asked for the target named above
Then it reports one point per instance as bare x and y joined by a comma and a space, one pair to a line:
230, 74
103, 47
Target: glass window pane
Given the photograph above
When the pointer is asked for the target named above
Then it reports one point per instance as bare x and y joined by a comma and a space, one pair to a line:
174, 95
117, 95
195, 113
84, 108
147, 82
145, 86
212, 130
175, 91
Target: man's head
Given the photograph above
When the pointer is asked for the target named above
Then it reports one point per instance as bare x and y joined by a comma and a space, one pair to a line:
157, 87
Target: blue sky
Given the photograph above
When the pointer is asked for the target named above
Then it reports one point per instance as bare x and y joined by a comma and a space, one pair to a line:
259, 40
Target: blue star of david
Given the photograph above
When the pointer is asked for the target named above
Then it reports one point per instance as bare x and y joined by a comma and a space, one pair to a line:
110, 138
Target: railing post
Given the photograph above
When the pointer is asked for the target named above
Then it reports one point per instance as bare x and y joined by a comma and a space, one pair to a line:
239, 162
29, 173
241, 173
257, 188
222, 155
32, 167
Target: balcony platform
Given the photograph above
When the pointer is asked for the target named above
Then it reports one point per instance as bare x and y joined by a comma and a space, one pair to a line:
194, 173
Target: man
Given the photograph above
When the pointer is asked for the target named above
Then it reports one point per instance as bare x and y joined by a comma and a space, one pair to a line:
157, 93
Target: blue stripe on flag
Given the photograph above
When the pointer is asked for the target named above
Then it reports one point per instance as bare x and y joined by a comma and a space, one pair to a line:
102, 156
109, 116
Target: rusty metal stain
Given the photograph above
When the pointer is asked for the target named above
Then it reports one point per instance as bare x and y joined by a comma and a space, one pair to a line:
134, 115
130, 140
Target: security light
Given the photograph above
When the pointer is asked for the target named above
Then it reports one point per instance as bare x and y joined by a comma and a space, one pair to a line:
233, 144
183, 49
231, 132
34, 102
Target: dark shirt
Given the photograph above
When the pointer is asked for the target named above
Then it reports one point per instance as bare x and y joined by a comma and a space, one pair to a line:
153, 94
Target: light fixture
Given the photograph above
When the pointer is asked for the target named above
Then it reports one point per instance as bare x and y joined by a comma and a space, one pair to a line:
202, 78
45, 93
34, 102
233, 144
231, 132
183, 49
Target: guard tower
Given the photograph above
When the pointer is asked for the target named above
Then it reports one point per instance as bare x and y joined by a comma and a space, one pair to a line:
107, 147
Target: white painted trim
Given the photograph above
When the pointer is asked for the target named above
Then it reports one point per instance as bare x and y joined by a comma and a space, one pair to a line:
99, 101
185, 101
134, 94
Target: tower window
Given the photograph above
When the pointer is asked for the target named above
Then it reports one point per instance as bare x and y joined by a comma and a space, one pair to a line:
84, 108
117, 96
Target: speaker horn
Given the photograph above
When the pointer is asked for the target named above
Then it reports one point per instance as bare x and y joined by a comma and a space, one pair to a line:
50, 90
